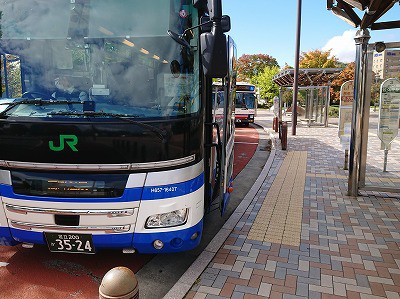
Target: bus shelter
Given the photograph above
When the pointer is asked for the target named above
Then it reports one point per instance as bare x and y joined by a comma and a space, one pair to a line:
367, 15
316, 82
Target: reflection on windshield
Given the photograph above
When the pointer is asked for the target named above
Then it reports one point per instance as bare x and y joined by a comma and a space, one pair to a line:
115, 54
245, 100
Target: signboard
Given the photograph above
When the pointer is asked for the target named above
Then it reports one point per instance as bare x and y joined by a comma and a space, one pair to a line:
346, 112
389, 104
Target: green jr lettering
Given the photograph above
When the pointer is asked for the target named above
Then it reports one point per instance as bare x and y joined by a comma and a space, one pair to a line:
70, 140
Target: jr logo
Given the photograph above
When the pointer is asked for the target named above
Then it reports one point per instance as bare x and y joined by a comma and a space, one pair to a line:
70, 140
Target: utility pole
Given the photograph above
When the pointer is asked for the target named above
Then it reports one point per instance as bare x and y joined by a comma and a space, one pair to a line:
296, 69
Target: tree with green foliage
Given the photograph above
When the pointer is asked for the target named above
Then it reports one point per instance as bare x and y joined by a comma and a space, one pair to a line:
250, 66
287, 97
268, 89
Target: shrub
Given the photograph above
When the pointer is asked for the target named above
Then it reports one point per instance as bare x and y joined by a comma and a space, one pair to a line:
333, 111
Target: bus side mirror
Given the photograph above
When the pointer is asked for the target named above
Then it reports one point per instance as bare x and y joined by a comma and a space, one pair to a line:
214, 53
207, 25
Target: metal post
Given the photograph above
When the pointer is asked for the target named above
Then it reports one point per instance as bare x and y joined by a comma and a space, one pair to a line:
386, 151
322, 104
307, 102
280, 103
365, 120
361, 39
317, 100
327, 103
310, 107
296, 69
315, 106
284, 136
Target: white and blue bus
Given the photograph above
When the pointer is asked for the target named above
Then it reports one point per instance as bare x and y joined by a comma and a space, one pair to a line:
109, 137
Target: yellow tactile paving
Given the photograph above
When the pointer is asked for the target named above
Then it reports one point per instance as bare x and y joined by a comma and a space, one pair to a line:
279, 218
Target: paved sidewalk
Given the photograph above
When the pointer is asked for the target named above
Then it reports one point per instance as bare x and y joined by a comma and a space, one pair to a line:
301, 236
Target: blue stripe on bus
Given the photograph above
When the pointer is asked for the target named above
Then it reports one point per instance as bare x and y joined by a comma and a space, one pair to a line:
173, 190
131, 194
6, 238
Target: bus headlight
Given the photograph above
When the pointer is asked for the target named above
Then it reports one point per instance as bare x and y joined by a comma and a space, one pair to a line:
174, 218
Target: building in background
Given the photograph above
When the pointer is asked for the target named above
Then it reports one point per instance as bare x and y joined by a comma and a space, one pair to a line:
386, 64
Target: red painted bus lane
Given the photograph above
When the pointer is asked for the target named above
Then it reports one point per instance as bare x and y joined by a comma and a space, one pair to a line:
37, 273
246, 142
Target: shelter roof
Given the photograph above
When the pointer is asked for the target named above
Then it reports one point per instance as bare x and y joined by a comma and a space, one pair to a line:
364, 13
307, 77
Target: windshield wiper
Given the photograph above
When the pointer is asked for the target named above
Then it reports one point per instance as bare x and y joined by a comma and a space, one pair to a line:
162, 134
38, 102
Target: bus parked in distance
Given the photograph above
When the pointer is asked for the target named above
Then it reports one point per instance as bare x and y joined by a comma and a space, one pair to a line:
245, 103
109, 137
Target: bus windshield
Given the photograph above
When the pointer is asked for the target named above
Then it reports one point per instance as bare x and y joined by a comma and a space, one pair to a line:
245, 100
110, 54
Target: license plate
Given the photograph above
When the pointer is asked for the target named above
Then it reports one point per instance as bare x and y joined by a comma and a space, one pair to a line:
66, 242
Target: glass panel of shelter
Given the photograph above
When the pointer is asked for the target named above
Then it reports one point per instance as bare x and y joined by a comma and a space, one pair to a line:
380, 169
312, 106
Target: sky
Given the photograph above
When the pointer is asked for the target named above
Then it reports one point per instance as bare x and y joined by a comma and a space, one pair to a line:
269, 27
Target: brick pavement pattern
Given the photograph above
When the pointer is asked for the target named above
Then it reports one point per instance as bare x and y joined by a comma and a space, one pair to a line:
340, 246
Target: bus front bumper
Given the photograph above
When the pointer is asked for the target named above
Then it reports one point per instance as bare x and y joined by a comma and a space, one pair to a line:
159, 242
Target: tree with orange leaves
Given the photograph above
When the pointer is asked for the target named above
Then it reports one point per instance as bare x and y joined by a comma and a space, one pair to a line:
346, 75
318, 59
